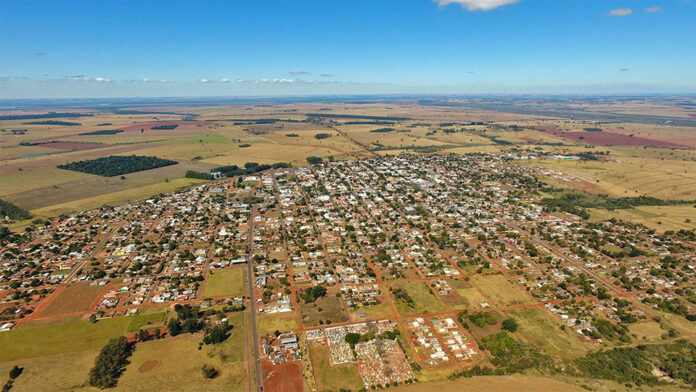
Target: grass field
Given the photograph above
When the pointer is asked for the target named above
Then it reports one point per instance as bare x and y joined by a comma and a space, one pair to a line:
75, 298
115, 197
62, 372
469, 297
330, 377
425, 300
517, 383
373, 312
269, 323
538, 327
659, 218
66, 337
224, 282
500, 291
147, 320
325, 309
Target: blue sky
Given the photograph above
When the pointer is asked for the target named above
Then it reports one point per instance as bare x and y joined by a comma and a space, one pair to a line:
245, 48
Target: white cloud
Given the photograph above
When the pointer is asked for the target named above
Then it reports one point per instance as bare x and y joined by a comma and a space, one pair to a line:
624, 70
204, 81
148, 80
225, 80
102, 80
80, 78
621, 12
653, 9
476, 5
277, 81
298, 72
325, 75
13, 78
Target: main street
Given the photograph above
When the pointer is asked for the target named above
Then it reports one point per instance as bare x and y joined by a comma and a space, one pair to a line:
252, 301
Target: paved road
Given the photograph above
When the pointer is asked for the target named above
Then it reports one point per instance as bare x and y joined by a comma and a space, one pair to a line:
252, 300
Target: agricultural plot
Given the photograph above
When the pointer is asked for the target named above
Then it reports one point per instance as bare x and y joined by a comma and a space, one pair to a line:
75, 298
500, 291
224, 282
61, 372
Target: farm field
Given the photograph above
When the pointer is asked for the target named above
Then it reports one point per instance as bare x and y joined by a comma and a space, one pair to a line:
659, 218
75, 298
500, 291
224, 282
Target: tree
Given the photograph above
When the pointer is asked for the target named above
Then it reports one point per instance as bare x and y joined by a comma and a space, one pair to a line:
15, 372
510, 325
110, 363
174, 327
209, 371
314, 160
352, 339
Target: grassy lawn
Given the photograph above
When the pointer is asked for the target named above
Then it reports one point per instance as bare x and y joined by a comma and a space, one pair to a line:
224, 282
500, 291
269, 323
539, 328
66, 337
150, 320
332, 377
647, 331
75, 298
325, 309
425, 301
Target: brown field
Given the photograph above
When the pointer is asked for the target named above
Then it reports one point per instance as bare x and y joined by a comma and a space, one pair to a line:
75, 298
282, 378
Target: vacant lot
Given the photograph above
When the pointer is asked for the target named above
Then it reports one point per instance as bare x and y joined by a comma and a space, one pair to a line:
146, 320
75, 298
518, 383
63, 372
269, 323
500, 291
539, 328
224, 282
373, 312
331, 377
466, 296
424, 300
325, 310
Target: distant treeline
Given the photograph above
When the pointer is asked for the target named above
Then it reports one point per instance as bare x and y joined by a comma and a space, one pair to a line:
375, 122
53, 122
13, 212
382, 130
199, 175
46, 115
292, 135
593, 129
103, 132
116, 165
356, 116
322, 135
249, 168
250, 121
129, 112
162, 127
575, 201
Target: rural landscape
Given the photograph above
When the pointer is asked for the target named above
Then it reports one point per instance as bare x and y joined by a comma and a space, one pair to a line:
347, 196
335, 246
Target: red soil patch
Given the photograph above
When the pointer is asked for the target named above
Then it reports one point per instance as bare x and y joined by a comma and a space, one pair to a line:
692, 115
148, 366
70, 145
282, 378
609, 138
148, 125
